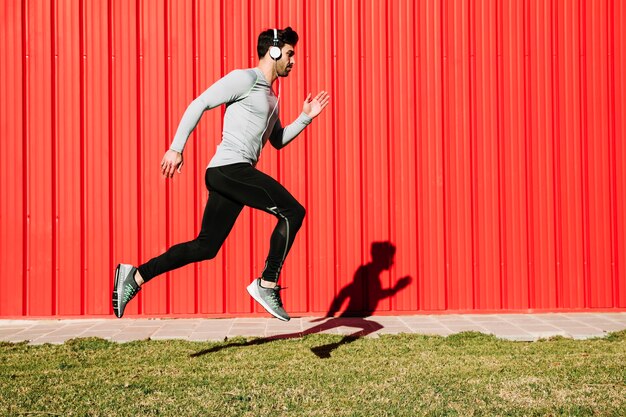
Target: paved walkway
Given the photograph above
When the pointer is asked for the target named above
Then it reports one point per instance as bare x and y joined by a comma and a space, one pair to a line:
520, 327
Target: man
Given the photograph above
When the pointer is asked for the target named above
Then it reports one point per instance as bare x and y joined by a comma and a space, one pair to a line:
250, 120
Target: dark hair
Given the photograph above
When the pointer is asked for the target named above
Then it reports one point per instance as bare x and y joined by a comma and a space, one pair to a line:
266, 39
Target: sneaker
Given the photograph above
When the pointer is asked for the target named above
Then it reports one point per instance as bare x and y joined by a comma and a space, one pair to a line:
124, 289
269, 298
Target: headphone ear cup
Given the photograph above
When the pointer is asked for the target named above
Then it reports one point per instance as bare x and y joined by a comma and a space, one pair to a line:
275, 52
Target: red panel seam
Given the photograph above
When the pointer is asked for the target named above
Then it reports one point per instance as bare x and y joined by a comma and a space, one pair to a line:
54, 174
25, 159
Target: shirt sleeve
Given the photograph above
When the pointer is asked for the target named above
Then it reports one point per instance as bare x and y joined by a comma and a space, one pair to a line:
232, 87
281, 136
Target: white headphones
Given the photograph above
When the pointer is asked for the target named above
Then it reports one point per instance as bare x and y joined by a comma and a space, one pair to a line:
275, 52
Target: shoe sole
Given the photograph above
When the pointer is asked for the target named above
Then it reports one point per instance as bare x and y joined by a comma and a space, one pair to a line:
115, 298
254, 293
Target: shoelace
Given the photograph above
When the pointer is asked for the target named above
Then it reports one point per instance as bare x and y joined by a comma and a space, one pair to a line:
129, 292
276, 296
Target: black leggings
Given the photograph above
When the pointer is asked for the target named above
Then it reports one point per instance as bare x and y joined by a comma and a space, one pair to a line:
230, 188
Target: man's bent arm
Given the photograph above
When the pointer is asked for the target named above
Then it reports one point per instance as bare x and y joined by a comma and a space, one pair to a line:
281, 136
232, 87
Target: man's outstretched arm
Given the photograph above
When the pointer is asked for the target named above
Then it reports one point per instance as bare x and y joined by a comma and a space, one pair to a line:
311, 108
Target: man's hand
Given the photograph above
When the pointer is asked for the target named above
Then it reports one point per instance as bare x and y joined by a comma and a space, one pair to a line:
314, 107
171, 162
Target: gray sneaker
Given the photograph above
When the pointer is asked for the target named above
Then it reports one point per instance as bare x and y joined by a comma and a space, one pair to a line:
124, 289
269, 298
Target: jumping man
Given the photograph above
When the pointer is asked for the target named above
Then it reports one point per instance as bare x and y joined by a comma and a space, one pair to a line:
250, 120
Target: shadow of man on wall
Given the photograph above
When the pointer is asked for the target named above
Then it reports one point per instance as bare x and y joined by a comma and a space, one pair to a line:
363, 294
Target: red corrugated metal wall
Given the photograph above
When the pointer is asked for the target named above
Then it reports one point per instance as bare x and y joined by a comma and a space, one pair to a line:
483, 138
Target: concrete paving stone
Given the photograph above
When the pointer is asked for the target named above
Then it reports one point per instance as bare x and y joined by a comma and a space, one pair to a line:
439, 331
250, 320
224, 330
466, 328
569, 326
207, 337
26, 335
347, 331
283, 331
110, 327
10, 332
97, 334
13, 339
539, 328
174, 332
613, 327
451, 317
51, 340
133, 328
583, 331
129, 337
246, 329
598, 323
391, 330
248, 333
437, 323
284, 335
611, 316
181, 325
457, 323
384, 319
489, 319
69, 330
38, 327
521, 321
419, 321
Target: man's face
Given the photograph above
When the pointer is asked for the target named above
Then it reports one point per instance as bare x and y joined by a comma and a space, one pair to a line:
286, 61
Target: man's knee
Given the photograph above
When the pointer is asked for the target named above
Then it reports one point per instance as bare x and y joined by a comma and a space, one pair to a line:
298, 213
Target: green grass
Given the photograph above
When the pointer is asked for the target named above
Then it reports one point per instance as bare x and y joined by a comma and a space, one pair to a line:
467, 374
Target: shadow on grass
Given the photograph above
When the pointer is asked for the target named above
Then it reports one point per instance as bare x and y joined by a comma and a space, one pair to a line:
364, 293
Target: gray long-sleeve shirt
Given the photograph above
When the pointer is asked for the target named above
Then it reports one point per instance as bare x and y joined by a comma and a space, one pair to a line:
251, 118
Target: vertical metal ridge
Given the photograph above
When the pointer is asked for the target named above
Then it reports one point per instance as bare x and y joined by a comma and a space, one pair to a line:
111, 142
54, 140
168, 184
584, 152
530, 277
443, 58
81, 89
360, 70
222, 59
474, 231
335, 150
388, 132
25, 165
139, 29
499, 135
473, 137
307, 191
196, 182
417, 121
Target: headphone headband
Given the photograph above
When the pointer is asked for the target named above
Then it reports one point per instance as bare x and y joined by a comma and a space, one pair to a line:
275, 52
